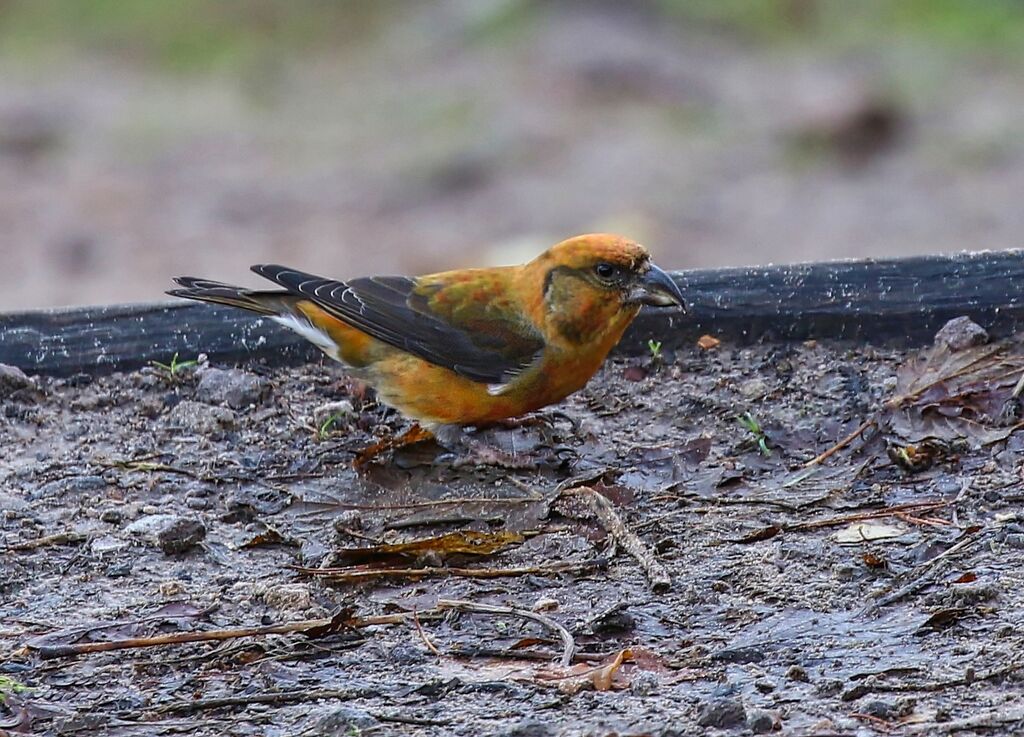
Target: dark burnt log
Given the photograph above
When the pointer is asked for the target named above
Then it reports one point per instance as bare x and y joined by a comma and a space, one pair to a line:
901, 301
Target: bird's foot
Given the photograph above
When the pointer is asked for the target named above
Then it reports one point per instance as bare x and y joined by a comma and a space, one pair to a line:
413, 435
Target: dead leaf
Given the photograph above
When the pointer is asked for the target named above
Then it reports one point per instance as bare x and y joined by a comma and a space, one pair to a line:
861, 532
756, 536
269, 536
340, 620
174, 614
941, 619
602, 677
966, 578
873, 560
708, 342
950, 396
466, 542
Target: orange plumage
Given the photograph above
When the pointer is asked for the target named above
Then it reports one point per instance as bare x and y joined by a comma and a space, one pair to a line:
473, 346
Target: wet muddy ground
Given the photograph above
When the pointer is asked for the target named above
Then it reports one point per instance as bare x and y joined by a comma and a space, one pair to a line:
877, 591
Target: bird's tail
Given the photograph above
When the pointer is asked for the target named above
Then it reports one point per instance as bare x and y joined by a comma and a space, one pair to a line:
271, 303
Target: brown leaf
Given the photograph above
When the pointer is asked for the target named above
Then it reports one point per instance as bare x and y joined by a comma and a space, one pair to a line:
949, 396
466, 542
708, 342
602, 677
756, 536
941, 619
340, 620
968, 577
269, 536
873, 560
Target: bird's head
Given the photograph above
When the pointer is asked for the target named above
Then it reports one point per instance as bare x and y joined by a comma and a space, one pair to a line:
594, 280
612, 267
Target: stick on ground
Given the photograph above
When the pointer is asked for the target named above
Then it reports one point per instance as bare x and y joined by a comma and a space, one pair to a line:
569, 644
612, 522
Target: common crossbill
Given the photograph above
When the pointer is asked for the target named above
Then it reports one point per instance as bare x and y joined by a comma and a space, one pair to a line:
472, 346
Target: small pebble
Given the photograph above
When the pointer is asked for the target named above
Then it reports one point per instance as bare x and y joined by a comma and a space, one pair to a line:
961, 333
797, 673
12, 379
119, 570
726, 712
201, 419
762, 721
878, 708
180, 535
233, 387
341, 720
529, 728
644, 683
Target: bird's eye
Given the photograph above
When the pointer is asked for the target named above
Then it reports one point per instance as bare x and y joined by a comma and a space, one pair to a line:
605, 271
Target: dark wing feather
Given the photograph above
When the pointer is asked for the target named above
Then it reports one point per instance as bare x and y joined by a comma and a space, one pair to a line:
390, 309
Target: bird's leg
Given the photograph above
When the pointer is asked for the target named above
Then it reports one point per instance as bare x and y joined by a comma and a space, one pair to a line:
465, 450
413, 435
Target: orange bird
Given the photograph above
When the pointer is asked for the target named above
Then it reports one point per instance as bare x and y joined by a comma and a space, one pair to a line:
473, 346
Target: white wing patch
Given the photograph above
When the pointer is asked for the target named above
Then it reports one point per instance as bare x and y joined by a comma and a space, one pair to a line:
311, 333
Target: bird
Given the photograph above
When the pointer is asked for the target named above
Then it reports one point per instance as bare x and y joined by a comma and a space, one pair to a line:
469, 347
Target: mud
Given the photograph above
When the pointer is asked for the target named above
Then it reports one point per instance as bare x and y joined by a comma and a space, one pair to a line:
877, 592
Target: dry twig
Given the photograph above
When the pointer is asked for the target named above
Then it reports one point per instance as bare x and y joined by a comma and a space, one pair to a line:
610, 520
362, 574
569, 644
59, 538
308, 626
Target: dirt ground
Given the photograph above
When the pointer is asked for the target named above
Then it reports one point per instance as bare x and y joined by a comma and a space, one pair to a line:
876, 592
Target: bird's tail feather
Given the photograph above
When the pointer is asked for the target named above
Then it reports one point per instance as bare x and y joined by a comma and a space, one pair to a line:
272, 303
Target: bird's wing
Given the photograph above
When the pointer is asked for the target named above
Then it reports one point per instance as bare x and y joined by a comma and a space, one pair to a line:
467, 325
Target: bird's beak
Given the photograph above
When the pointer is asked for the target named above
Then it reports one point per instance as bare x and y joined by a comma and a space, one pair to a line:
657, 288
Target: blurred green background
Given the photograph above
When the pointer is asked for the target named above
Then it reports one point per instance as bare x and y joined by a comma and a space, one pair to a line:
140, 139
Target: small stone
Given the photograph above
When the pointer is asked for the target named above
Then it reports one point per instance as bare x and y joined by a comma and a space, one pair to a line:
237, 389
797, 673
753, 388
879, 709
171, 533
762, 721
764, 685
294, 597
148, 525
960, 333
180, 535
111, 516
341, 720
119, 570
198, 503
202, 418
644, 683
528, 728
107, 544
70, 485
726, 712
13, 379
